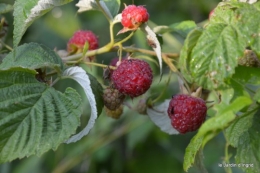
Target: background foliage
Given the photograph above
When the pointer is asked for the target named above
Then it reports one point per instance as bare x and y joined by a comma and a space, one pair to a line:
133, 143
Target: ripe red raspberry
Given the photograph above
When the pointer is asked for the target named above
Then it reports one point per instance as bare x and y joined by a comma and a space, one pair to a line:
187, 113
133, 16
132, 77
78, 40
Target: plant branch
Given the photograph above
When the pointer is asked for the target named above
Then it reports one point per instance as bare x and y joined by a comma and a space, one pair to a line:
149, 52
100, 65
101, 50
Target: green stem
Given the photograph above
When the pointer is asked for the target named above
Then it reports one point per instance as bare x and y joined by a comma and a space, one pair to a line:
124, 40
100, 65
149, 52
5, 45
111, 30
78, 56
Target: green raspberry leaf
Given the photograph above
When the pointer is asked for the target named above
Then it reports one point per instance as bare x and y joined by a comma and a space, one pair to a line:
185, 58
94, 94
212, 58
113, 6
238, 127
5, 8
247, 75
247, 25
249, 146
191, 151
215, 55
182, 28
25, 12
34, 117
33, 56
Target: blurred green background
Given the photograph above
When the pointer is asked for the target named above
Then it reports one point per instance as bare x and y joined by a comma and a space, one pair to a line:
132, 144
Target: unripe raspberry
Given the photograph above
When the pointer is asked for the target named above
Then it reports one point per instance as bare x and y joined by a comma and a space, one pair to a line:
133, 16
187, 113
132, 77
112, 98
78, 40
116, 114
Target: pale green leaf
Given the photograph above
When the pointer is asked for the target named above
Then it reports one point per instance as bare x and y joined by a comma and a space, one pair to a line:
26, 11
33, 56
215, 55
34, 117
247, 25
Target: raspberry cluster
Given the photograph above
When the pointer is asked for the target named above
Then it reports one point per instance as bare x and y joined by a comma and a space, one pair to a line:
187, 113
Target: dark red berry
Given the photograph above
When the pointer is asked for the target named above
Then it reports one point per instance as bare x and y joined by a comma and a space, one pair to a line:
187, 113
132, 77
